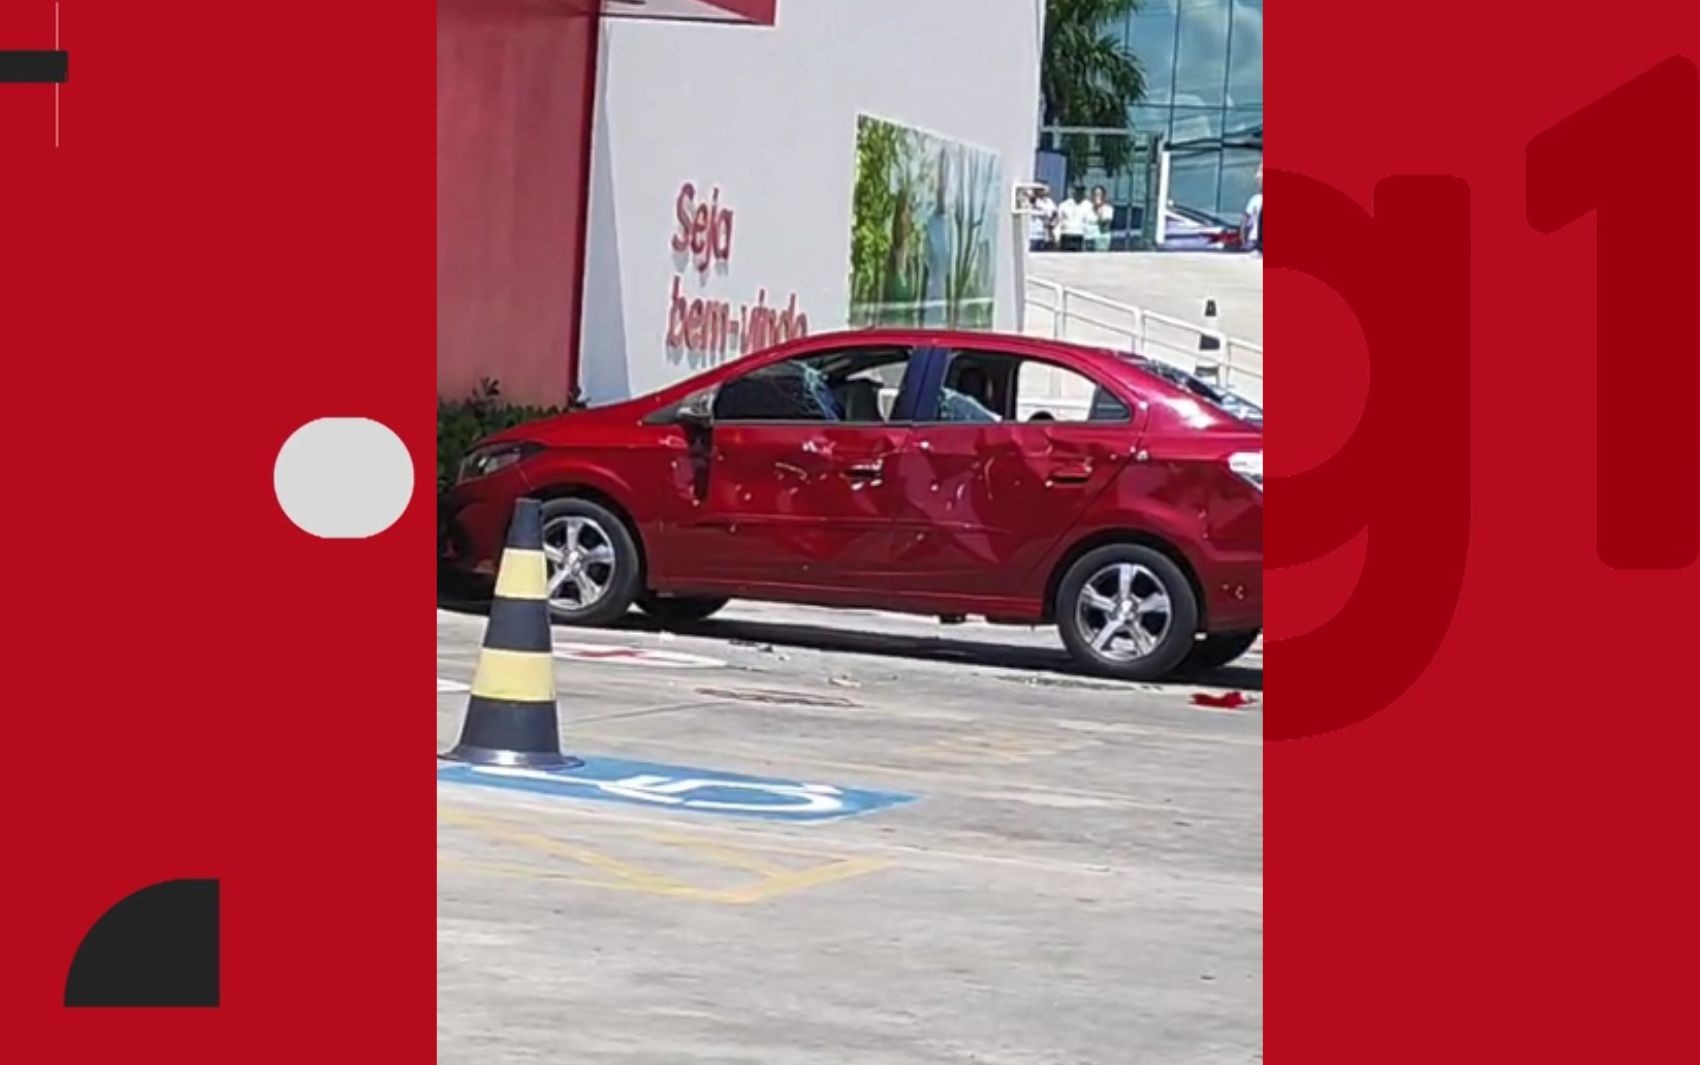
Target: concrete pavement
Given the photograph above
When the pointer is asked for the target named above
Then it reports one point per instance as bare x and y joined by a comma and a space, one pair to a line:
1078, 878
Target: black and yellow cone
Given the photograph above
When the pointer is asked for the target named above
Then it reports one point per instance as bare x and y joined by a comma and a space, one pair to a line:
511, 719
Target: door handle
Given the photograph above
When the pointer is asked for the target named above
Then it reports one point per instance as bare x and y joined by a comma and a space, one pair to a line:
1071, 475
865, 471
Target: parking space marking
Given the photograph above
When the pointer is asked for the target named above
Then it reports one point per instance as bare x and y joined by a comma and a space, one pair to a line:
873, 769
686, 789
772, 887
1003, 747
901, 853
622, 872
732, 856
771, 878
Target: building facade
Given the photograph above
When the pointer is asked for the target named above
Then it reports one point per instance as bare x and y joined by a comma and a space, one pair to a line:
516, 104
1203, 63
625, 201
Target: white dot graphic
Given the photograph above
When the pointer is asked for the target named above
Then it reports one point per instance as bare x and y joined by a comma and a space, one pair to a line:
343, 478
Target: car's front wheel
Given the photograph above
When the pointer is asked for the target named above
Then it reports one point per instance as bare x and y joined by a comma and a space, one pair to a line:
680, 609
592, 561
1127, 611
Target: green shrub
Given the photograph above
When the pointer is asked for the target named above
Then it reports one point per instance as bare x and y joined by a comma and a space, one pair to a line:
461, 423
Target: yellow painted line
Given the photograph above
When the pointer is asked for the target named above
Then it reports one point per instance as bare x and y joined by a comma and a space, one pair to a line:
788, 883
1007, 748
773, 880
530, 872
584, 856
516, 676
734, 857
523, 574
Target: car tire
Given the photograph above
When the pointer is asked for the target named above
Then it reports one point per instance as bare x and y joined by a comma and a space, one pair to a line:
680, 610
1157, 598
608, 559
1217, 650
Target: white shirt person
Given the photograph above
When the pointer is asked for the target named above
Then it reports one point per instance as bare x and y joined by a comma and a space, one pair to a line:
1073, 218
1042, 220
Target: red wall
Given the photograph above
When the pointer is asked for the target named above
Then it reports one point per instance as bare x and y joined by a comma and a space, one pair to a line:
515, 97
757, 11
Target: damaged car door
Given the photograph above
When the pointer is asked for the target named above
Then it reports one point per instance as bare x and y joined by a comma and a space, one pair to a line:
1007, 452
798, 479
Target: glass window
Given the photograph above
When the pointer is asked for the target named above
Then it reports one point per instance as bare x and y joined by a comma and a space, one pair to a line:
1046, 392
855, 386
1151, 38
1196, 125
1243, 126
1245, 55
1194, 179
1147, 120
977, 388
1107, 408
988, 387
1201, 60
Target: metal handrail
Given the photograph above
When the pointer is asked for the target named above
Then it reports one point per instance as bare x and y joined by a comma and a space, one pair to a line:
1138, 330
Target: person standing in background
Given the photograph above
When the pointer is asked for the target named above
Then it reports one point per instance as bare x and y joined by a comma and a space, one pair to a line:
1251, 228
1102, 222
1071, 220
1043, 220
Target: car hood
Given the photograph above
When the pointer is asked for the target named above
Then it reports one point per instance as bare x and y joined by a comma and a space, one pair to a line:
563, 428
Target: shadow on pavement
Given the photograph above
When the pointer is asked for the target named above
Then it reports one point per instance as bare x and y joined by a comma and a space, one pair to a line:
889, 645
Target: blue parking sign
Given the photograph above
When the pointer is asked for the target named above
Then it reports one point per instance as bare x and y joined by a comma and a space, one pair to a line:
672, 787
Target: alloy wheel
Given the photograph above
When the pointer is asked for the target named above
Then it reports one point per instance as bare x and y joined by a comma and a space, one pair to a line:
581, 562
1124, 612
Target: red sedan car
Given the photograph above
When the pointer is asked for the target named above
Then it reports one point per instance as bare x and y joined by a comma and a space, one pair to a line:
1023, 480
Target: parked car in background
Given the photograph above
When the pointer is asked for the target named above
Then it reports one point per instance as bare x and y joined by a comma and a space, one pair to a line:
892, 470
1188, 230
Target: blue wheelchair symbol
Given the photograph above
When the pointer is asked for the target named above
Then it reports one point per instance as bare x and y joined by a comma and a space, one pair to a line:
682, 788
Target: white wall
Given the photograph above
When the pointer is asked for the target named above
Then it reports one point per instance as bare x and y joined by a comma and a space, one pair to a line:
769, 116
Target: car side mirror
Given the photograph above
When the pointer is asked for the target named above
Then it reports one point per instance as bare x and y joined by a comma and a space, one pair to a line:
696, 411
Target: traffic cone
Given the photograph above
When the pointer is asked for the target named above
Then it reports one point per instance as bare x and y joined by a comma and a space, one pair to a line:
511, 719
1211, 338
1209, 346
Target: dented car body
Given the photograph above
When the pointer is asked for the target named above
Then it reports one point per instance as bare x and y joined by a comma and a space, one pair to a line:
1020, 479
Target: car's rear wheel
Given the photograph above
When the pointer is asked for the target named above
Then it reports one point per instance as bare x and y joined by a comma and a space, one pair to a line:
1217, 650
679, 610
592, 561
1127, 611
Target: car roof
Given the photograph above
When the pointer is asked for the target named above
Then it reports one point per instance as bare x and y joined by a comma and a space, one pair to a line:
1115, 363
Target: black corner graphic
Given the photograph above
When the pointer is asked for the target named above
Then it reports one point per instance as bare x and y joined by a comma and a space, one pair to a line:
156, 948
29, 68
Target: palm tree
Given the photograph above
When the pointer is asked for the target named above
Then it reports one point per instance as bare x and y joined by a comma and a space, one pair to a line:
1089, 78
